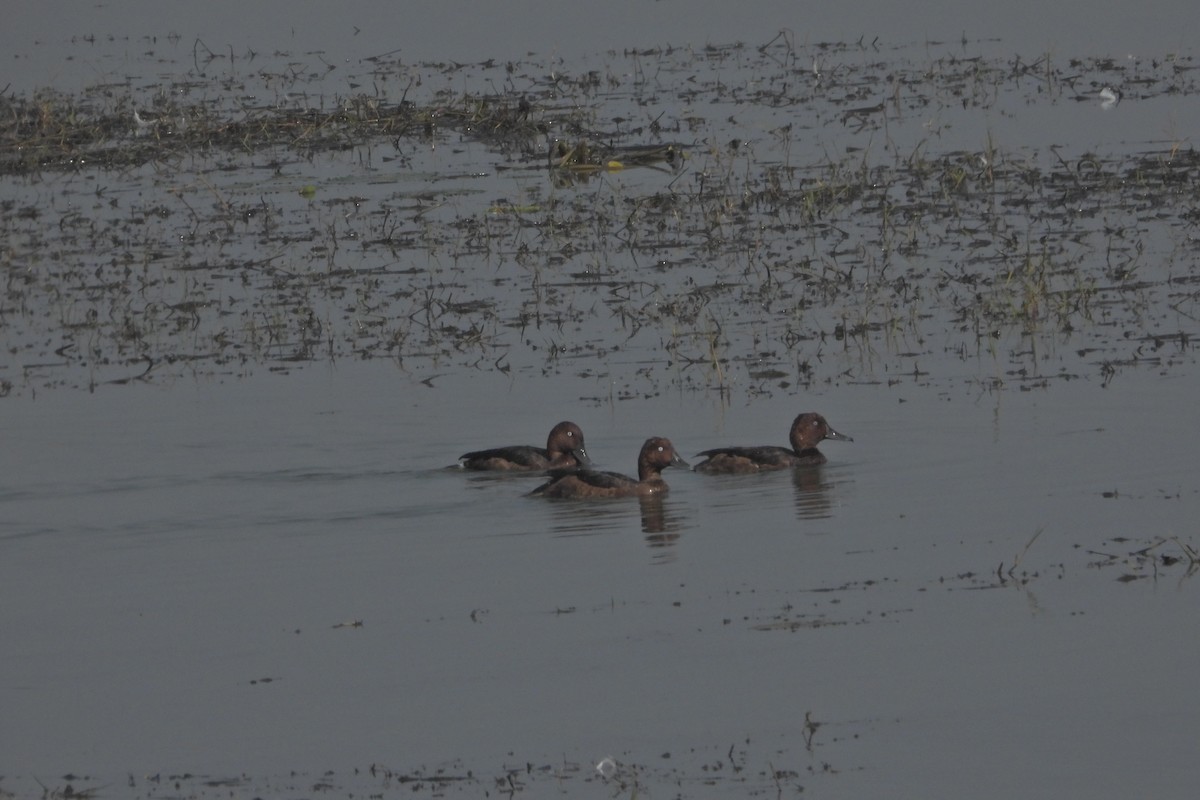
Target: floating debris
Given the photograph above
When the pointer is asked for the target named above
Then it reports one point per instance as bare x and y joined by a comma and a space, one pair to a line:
764, 231
607, 767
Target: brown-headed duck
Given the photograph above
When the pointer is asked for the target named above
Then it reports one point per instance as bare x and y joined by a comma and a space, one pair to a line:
657, 454
808, 431
564, 450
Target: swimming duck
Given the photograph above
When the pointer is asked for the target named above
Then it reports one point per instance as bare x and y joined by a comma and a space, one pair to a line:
564, 449
656, 455
808, 430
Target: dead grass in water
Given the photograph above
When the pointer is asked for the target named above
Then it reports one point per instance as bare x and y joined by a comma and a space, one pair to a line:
663, 221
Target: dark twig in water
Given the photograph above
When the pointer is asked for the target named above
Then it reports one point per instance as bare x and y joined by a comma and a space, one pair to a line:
1001, 572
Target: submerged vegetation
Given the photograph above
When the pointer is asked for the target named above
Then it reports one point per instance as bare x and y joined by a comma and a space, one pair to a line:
731, 218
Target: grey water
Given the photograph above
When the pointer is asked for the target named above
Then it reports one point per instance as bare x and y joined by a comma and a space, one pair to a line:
987, 593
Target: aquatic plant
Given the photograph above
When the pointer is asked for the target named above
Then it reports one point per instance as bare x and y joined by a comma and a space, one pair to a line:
592, 223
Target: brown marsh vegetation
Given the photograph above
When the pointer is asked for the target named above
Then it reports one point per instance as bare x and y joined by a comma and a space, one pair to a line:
730, 218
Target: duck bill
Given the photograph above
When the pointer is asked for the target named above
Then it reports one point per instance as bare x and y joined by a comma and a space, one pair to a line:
582, 457
677, 461
841, 437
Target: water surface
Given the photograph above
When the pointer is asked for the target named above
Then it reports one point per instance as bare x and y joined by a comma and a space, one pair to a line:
251, 567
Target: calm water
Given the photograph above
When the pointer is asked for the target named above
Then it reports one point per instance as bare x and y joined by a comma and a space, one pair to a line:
106, 39
167, 550
179, 561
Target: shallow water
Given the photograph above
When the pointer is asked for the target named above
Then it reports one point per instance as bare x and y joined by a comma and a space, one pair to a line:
108, 40
260, 573
174, 589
